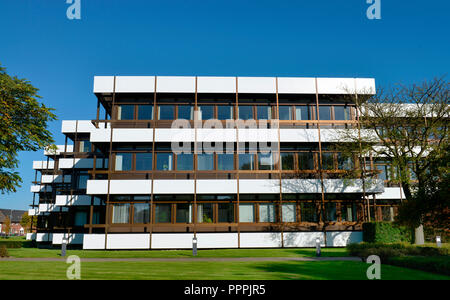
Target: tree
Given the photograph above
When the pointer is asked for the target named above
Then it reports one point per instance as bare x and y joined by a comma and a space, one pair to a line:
26, 221
407, 125
23, 126
7, 225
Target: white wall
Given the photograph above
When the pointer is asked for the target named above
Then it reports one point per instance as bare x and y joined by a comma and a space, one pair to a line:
172, 240
74, 238
128, 241
260, 239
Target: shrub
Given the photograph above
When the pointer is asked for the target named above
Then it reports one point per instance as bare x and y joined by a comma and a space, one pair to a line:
11, 243
3, 251
385, 232
436, 264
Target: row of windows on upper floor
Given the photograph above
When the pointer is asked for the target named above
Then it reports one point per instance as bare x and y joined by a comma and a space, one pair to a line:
227, 112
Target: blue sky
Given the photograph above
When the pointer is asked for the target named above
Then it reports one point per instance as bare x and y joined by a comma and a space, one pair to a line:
226, 38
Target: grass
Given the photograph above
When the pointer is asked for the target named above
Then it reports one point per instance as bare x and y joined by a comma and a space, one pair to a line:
293, 252
342, 270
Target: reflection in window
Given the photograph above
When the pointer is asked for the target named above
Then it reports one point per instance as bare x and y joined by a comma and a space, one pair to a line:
341, 112
382, 174
246, 213
185, 112
85, 146
224, 112
125, 112
205, 213
302, 112
121, 213
143, 161
330, 211
306, 161
205, 162
141, 213
308, 212
185, 162
166, 112
325, 112
163, 213
145, 112
82, 180
123, 161
184, 213
264, 112
164, 161
245, 112
348, 212
265, 161
344, 163
288, 212
287, 161
246, 161
266, 212
207, 112
226, 213
327, 161
285, 112
80, 218
225, 162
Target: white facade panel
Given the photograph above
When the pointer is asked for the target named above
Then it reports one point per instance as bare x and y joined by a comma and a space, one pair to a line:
55, 178
335, 85
365, 86
58, 150
293, 186
172, 240
216, 85
216, 186
392, 193
257, 85
259, 186
93, 241
133, 135
343, 238
81, 126
135, 84
128, 241
81, 163
258, 135
174, 135
168, 186
302, 239
44, 237
43, 164
103, 84
31, 236
101, 135
216, 135
73, 238
175, 84
217, 240
132, 187
74, 200
40, 188
260, 239
288, 85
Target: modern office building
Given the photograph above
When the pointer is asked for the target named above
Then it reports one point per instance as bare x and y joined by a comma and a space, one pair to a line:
248, 163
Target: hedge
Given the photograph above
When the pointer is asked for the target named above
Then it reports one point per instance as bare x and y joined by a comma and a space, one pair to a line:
435, 264
386, 232
15, 243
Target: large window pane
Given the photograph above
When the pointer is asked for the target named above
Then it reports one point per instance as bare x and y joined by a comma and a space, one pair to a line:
164, 161
184, 213
82, 181
302, 112
143, 161
342, 113
246, 213
80, 218
123, 161
226, 213
264, 112
224, 112
141, 213
328, 161
145, 112
207, 112
308, 212
205, 213
348, 212
163, 213
185, 162
185, 112
306, 161
287, 161
205, 162
330, 211
121, 213
246, 161
383, 172
265, 161
85, 146
266, 212
245, 112
166, 112
285, 112
325, 112
344, 163
125, 112
288, 212
225, 162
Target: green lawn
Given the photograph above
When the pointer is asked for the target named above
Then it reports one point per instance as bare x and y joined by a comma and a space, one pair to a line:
294, 252
208, 270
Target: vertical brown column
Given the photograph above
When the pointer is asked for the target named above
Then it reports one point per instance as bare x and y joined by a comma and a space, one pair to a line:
322, 205
237, 174
279, 165
153, 162
195, 157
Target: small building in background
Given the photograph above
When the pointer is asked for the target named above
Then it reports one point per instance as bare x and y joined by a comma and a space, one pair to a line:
15, 216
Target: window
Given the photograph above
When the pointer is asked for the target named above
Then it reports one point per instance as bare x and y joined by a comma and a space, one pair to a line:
145, 112
246, 213
266, 212
163, 213
325, 112
225, 162
224, 112
123, 161
327, 161
344, 163
121, 213
125, 112
383, 173
387, 213
166, 112
185, 162
341, 112
288, 212
80, 218
306, 161
308, 212
205, 162
264, 112
184, 213
205, 213
246, 161
82, 181
330, 211
265, 161
287, 161
245, 112
348, 212
141, 213
207, 112
302, 112
185, 112
226, 213
285, 112
164, 161
85, 146
143, 161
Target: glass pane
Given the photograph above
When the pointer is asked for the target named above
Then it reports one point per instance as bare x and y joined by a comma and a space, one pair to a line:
225, 161
287, 161
245, 112
166, 112
246, 161
348, 212
285, 112
327, 161
164, 161
82, 181
121, 213
246, 213
288, 212
184, 213
185, 112
330, 210
224, 112
264, 112
145, 112
325, 112
308, 212
207, 112
123, 161
141, 213
85, 146
265, 161
80, 218
163, 213
205, 213
266, 212
125, 112
382, 175
344, 163
205, 162
302, 112
341, 113
143, 161
226, 213
306, 161
185, 162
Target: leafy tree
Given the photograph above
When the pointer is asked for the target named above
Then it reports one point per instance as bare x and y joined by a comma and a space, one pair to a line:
23, 126
7, 225
26, 221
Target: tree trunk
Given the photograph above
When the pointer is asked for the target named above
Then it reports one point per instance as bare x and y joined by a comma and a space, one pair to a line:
419, 236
